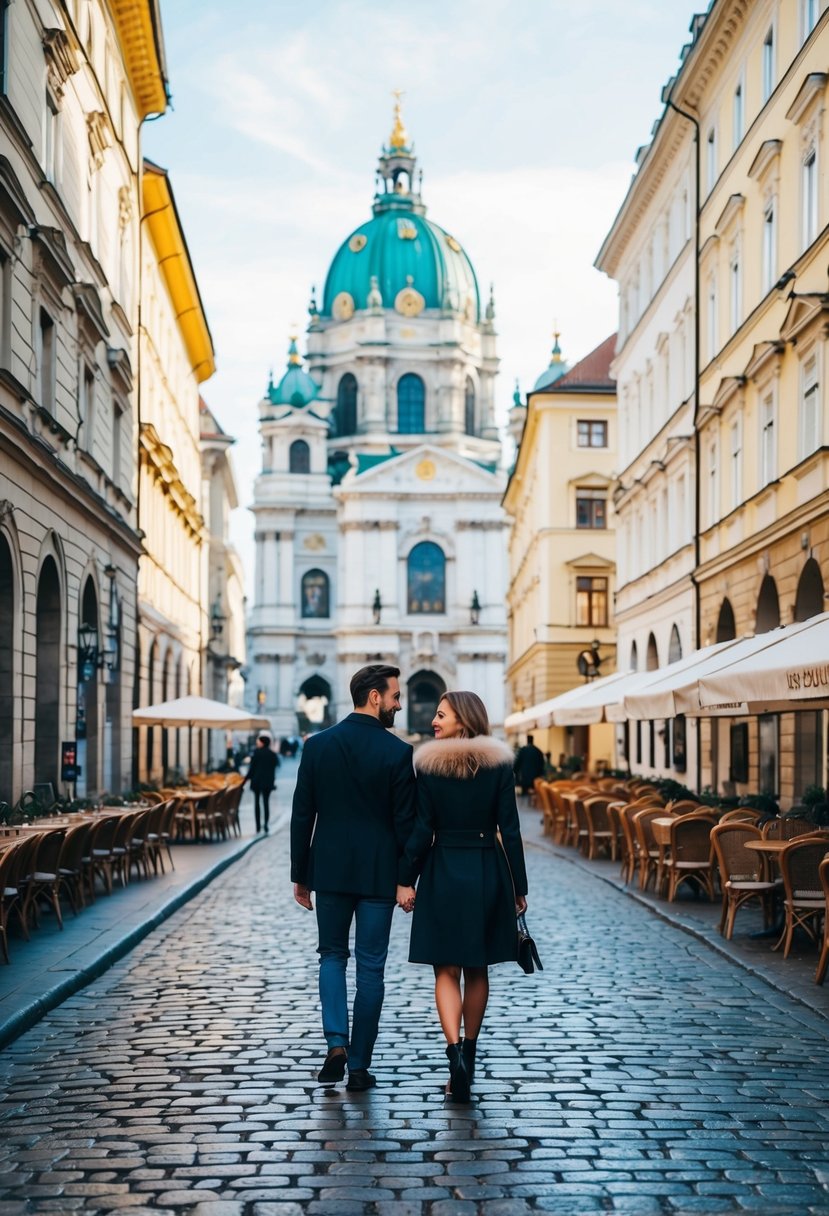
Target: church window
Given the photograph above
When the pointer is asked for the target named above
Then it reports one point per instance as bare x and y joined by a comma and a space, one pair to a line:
346, 409
411, 405
299, 457
315, 594
427, 578
469, 407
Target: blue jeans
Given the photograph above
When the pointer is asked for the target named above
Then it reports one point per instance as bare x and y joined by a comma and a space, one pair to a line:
335, 912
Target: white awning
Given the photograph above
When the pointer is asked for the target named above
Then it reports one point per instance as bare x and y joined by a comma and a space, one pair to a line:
543, 715
791, 671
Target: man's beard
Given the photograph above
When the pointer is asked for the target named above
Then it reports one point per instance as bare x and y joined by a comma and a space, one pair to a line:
386, 717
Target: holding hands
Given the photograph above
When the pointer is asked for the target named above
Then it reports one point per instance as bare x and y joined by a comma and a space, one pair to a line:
406, 898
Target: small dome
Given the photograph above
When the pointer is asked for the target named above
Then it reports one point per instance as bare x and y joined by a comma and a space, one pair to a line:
555, 369
296, 388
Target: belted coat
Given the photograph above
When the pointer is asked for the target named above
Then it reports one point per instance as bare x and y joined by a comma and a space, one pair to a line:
466, 854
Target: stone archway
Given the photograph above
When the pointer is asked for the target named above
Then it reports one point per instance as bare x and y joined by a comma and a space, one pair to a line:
768, 606
726, 626
423, 692
652, 657
313, 707
48, 620
809, 600
88, 721
6, 670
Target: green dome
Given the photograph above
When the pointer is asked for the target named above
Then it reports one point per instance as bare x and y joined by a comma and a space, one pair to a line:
556, 369
401, 248
296, 387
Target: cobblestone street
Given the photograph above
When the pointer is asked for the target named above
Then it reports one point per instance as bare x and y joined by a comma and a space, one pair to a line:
640, 1072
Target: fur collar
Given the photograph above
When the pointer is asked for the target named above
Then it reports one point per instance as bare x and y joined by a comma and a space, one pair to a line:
461, 758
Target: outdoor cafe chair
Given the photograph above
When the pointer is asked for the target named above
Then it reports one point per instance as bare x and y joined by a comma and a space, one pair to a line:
9, 893
231, 808
44, 879
803, 901
103, 857
17, 878
743, 873
647, 850
137, 847
545, 797
601, 832
682, 806
167, 829
71, 864
152, 835
741, 814
823, 873
690, 856
787, 827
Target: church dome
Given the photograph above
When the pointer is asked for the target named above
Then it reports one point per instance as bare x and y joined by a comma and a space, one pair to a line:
415, 262
296, 387
555, 369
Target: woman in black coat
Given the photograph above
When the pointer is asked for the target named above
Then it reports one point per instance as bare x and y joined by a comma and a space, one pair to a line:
471, 884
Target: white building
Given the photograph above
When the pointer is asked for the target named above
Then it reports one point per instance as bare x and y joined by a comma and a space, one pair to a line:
379, 530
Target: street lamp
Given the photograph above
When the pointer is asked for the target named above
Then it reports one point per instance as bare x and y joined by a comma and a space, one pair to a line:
217, 621
475, 609
589, 661
88, 656
377, 607
260, 698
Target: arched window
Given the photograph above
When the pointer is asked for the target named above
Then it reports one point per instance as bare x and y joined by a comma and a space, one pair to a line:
47, 673
411, 405
726, 627
7, 667
423, 692
427, 578
634, 657
768, 606
674, 646
652, 661
809, 599
315, 594
299, 457
345, 413
313, 705
469, 407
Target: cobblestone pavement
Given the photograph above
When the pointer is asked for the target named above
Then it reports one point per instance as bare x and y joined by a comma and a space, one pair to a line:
640, 1073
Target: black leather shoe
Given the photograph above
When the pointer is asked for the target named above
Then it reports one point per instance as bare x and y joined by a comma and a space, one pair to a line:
468, 1047
360, 1078
458, 1074
334, 1067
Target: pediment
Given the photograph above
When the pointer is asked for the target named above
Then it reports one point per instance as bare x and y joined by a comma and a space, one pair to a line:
804, 311
767, 154
591, 481
426, 469
590, 561
764, 357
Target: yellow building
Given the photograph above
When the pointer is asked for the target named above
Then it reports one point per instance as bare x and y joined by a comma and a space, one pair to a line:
176, 357
562, 545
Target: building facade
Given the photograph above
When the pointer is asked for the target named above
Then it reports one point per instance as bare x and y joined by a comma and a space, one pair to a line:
77, 81
562, 548
380, 534
176, 357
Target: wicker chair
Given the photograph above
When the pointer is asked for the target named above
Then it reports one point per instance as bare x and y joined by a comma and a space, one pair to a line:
44, 879
9, 893
137, 846
231, 808
683, 806
741, 814
743, 873
71, 864
647, 850
803, 902
167, 828
108, 837
787, 827
601, 833
823, 873
690, 858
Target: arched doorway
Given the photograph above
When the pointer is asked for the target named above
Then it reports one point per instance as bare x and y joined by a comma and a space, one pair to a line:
768, 606
652, 659
47, 674
423, 693
87, 716
726, 627
809, 600
313, 707
6, 670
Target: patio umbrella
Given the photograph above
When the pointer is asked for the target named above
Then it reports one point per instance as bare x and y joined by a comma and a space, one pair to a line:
199, 711
790, 672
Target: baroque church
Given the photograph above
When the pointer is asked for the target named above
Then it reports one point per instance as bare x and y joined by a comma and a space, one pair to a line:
380, 535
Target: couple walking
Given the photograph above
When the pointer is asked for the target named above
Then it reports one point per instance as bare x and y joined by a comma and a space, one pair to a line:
367, 825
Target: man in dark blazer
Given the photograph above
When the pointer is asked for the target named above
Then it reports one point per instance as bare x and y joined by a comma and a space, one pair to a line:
262, 777
353, 811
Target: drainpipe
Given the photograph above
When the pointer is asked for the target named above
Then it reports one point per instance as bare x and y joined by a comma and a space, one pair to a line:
697, 447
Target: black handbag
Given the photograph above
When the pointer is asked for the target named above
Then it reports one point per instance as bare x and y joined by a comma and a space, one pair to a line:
528, 958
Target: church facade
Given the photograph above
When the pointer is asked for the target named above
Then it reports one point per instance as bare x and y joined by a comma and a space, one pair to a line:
380, 535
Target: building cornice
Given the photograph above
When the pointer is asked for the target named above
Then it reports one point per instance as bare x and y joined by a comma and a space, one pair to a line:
157, 457
138, 23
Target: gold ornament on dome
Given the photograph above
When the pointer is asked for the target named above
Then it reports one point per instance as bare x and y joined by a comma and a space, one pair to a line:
314, 543
453, 244
408, 302
343, 307
358, 242
406, 230
426, 470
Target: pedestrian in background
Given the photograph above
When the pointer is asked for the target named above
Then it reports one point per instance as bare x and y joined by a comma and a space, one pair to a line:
471, 885
353, 812
529, 764
262, 777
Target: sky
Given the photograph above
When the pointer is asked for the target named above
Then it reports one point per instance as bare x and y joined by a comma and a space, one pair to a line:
525, 115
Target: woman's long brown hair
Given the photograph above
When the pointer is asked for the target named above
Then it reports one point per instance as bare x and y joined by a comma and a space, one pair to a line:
470, 711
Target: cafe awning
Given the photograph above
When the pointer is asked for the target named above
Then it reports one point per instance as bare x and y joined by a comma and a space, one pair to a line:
790, 672
542, 715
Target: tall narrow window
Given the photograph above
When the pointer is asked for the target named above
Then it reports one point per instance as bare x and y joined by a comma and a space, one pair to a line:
769, 246
768, 455
738, 115
426, 577
591, 508
736, 280
411, 405
315, 594
809, 408
469, 418
713, 483
591, 601
809, 188
769, 70
345, 412
736, 463
711, 159
51, 139
5, 306
299, 457
47, 361
808, 17
712, 316
87, 407
117, 441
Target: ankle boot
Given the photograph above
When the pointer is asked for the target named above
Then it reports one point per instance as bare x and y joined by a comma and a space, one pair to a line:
458, 1075
468, 1047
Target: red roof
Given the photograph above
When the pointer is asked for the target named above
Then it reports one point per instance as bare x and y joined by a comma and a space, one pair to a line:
590, 373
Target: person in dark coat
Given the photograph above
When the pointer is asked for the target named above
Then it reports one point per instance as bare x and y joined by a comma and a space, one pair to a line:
353, 812
262, 777
470, 885
529, 764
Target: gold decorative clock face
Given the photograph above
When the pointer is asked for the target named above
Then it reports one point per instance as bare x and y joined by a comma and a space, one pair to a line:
358, 242
426, 470
406, 230
343, 306
453, 244
409, 303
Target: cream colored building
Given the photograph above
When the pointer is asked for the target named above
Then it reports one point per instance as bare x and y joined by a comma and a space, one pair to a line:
176, 357
562, 570
78, 79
